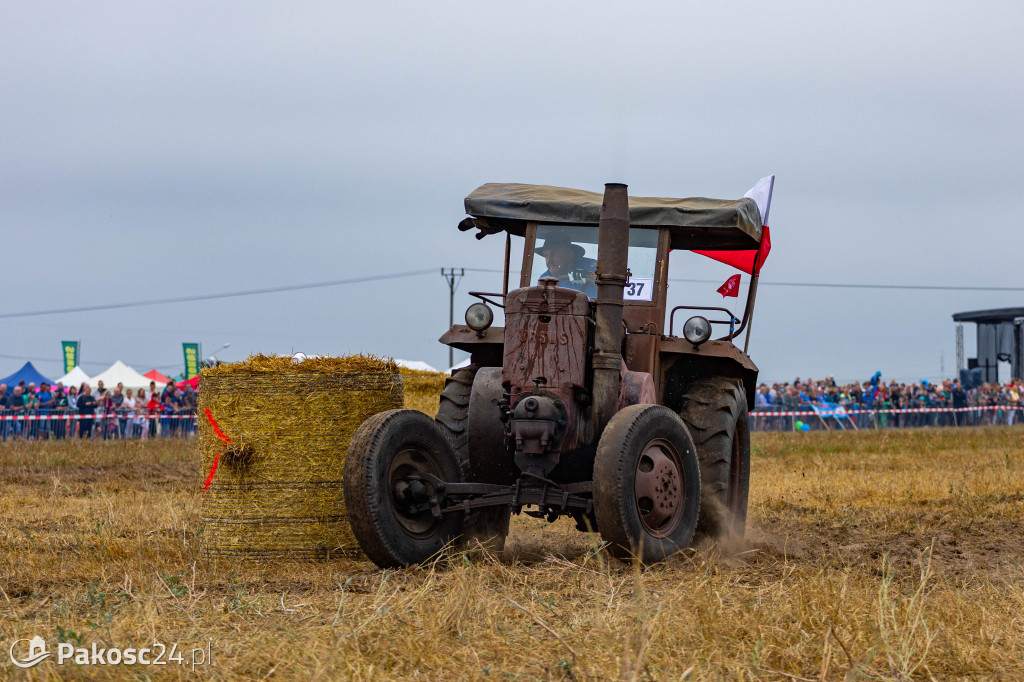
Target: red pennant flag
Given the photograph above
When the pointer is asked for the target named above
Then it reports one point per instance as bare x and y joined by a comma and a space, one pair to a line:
731, 287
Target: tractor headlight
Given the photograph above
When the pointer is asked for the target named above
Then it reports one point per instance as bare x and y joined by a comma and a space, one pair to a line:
697, 330
479, 317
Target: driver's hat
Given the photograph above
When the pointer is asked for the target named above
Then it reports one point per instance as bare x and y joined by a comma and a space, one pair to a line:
559, 238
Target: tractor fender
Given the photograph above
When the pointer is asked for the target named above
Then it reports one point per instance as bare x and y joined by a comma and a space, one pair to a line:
485, 347
490, 461
681, 364
636, 388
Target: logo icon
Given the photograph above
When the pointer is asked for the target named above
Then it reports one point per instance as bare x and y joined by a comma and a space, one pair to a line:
36, 652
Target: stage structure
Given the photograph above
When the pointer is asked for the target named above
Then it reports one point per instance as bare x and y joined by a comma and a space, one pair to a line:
1000, 339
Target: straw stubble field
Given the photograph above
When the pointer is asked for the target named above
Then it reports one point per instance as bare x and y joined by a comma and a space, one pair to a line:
872, 555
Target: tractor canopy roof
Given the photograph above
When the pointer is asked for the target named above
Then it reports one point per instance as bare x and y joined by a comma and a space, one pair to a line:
694, 223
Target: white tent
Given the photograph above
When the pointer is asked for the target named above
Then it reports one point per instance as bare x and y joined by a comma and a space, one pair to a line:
74, 378
459, 365
415, 364
122, 373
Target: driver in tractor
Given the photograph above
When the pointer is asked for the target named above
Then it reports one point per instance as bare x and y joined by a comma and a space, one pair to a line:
565, 262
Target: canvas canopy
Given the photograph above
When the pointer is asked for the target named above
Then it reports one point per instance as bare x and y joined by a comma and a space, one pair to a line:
123, 374
29, 374
694, 223
193, 382
157, 376
75, 377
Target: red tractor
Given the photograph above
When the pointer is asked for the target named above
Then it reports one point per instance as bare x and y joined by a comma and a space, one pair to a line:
584, 404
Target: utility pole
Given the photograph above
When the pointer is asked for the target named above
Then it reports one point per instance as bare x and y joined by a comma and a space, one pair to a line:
452, 277
959, 349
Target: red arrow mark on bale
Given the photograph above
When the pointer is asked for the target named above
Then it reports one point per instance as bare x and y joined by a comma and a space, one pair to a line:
213, 470
216, 429
216, 457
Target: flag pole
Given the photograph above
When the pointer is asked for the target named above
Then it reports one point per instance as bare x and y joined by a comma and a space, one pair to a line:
750, 319
756, 274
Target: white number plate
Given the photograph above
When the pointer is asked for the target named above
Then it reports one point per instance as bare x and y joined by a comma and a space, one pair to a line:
638, 289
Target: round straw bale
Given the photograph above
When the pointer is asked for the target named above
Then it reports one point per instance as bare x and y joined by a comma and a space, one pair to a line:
422, 389
277, 488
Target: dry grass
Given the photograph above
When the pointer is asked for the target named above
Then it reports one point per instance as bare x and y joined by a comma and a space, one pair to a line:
881, 555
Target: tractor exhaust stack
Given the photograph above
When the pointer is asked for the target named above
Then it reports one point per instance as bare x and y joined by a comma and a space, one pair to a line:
612, 250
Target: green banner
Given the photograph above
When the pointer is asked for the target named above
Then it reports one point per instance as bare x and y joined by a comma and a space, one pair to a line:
191, 359
70, 349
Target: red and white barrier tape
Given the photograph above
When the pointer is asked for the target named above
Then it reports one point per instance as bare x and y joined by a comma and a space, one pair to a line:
799, 413
906, 410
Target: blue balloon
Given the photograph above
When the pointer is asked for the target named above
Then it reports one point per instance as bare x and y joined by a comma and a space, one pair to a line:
805, 427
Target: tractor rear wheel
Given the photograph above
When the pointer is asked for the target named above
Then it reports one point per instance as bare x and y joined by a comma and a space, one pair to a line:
453, 409
388, 506
715, 410
481, 527
646, 484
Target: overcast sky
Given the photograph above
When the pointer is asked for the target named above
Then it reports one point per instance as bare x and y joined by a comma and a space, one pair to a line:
151, 150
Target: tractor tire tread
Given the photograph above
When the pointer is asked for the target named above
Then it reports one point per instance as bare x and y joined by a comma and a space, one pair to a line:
611, 473
712, 408
368, 499
358, 470
453, 410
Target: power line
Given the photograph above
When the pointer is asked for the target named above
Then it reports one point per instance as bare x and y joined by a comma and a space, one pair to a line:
827, 285
920, 287
209, 297
417, 273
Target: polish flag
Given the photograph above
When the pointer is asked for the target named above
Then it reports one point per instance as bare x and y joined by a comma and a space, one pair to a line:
751, 261
731, 287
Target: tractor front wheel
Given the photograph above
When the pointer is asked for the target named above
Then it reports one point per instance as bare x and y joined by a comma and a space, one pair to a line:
646, 484
394, 512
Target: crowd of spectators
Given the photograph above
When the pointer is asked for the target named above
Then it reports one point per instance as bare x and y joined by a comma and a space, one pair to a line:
121, 413
876, 401
104, 413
